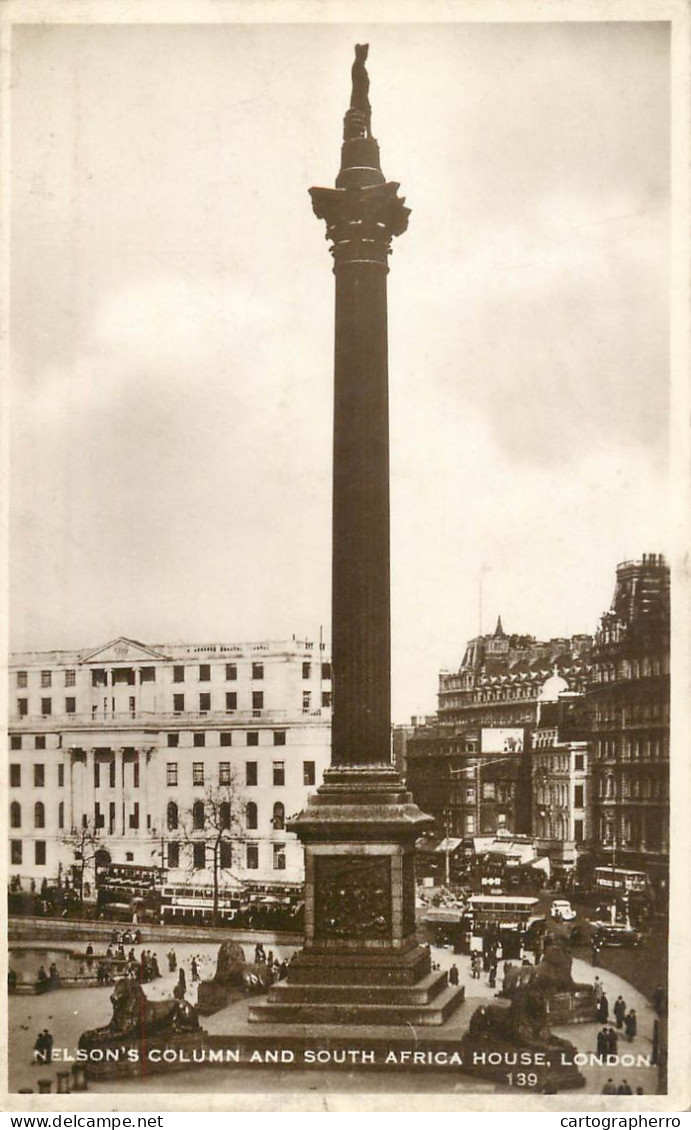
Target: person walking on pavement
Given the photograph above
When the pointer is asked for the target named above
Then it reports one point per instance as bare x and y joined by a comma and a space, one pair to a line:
603, 1008
195, 970
612, 1042
453, 975
624, 1089
597, 985
602, 1044
609, 1088
619, 1011
630, 1025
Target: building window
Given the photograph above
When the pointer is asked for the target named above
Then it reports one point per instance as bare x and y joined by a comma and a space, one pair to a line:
251, 815
205, 702
135, 775
40, 853
579, 762
257, 670
46, 706
226, 738
279, 737
16, 851
197, 773
470, 824
172, 816
46, 679
199, 740
61, 776
231, 671
578, 831
250, 772
257, 700
15, 776
22, 707
21, 679
306, 699
134, 815
70, 678
178, 674
39, 815
307, 670
488, 791
147, 674
16, 741
204, 672
61, 814
173, 854
326, 699
226, 855
39, 776
224, 816
326, 670
279, 772
178, 703
279, 857
253, 737
308, 772
70, 706
99, 677
39, 742
99, 817
172, 773
279, 817
252, 857
224, 772
15, 815
97, 775
173, 741
199, 856
578, 796
231, 700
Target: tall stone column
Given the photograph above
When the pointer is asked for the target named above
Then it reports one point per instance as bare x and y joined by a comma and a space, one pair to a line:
361, 962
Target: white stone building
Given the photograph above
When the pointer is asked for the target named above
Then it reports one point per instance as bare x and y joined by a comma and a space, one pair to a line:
561, 779
116, 745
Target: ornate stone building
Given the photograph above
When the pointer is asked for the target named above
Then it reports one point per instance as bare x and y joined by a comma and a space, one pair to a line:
628, 706
561, 778
122, 744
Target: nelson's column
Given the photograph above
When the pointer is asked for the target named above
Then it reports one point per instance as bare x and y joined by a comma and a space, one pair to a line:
361, 962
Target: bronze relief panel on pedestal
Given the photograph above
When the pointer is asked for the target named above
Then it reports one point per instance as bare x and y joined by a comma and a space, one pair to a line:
352, 897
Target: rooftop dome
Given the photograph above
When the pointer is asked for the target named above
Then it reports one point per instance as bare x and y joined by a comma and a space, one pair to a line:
552, 688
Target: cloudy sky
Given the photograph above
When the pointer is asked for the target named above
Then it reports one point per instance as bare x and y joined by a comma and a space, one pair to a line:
172, 328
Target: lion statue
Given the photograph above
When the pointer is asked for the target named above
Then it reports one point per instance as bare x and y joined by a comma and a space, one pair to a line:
134, 1015
524, 1024
233, 976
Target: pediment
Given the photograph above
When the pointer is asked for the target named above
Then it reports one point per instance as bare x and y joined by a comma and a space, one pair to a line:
123, 650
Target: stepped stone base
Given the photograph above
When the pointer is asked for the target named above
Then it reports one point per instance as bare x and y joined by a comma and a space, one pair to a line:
309, 1010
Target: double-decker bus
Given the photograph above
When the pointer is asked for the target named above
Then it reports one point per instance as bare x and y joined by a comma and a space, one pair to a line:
510, 920
620, 879
183, 904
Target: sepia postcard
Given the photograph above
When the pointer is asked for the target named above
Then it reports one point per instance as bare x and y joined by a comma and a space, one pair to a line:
345, 437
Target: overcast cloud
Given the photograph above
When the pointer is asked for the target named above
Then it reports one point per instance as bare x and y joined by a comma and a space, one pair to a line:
172, 328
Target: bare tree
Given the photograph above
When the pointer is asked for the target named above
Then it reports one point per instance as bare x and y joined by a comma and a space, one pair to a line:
211, 826
85, 841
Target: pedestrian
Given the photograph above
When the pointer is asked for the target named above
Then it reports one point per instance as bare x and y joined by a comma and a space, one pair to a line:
630, 1025
595, 959
603, 1008
602, 1042
155, 971
453, 975
48, 1045
624, 1089
597, 986
89, 955
493, 974
609, 1088
619, 1011
40, 1049
195, 970
53, 974
612, 1042
172, 961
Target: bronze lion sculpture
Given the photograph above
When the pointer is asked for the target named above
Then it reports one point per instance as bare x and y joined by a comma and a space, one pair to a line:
134, 1016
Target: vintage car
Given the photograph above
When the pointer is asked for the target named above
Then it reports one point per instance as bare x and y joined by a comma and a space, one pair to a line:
614, 934
562, 909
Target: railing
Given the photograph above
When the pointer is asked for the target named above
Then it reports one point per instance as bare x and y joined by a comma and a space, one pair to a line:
163, 718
